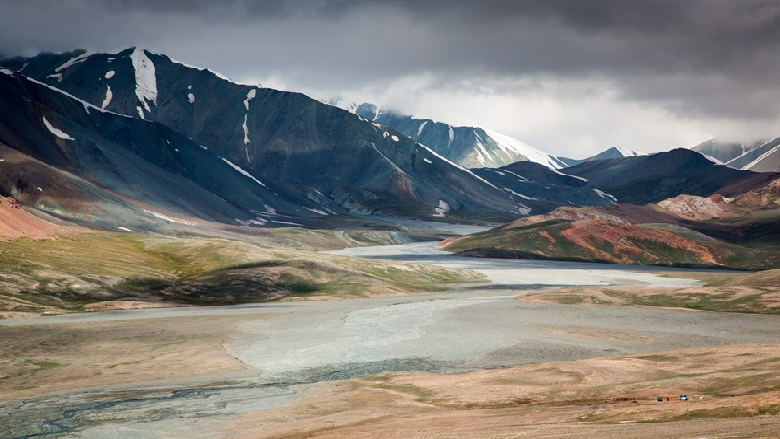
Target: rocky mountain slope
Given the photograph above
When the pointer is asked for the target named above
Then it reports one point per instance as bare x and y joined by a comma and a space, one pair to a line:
649, 179
304, 157
764, 157
71, 159
759, 156
139, 127
723, 151
471, 147
543, 188
615, 152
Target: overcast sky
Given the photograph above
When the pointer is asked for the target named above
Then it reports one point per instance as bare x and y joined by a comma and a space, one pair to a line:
568, 77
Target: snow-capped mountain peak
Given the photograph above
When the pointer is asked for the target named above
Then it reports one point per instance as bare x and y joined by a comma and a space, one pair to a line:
626, 152
470, 147
342, 103
510, 144
760, 156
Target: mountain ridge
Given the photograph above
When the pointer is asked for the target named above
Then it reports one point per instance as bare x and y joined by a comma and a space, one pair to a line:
471, 147
760, 156
331, 157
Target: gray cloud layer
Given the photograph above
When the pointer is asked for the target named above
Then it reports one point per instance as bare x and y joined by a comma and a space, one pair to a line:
694, 59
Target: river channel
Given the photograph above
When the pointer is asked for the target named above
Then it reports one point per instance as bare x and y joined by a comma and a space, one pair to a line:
468, 328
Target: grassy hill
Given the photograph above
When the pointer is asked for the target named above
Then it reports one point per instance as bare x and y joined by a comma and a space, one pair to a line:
81, 271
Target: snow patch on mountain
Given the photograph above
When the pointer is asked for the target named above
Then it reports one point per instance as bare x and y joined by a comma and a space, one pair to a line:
569, 175
246, 130
252, 222
712, 159
55, 131
107, 99
342, 103
522, 179
57, 76
421, 128
441, 210
81, 58
191, 98
249, 96
511, 144
605, 196
627, 152
526, 197
761, 157
392, 163
169, 218
87, 105
110, 74
243, 172
440, 157
482, 154
317, 211
145, 79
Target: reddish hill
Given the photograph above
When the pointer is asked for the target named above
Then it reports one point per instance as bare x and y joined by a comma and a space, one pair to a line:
16, 222
681, 231
612, 242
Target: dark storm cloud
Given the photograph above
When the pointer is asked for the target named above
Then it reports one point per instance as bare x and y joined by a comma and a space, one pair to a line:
557, 36
696, 58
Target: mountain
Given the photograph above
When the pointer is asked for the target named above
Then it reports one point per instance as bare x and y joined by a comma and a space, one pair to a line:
723, 151
763, 157
714, 231
604, 241
470, 147
649, 179
615, 152
759, 156
71, 159
139, 127
544, 189
298, 151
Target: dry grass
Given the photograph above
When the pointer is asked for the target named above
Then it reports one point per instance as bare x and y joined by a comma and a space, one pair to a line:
611, 397
77, 271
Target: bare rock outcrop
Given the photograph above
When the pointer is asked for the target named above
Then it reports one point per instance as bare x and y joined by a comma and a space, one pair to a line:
566, 213
767, 196
698, 208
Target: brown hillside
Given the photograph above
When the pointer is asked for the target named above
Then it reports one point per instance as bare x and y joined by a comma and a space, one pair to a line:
699, 208
628, 241
16, 222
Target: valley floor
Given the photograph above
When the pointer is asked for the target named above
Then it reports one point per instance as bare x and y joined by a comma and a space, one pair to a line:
468, 362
